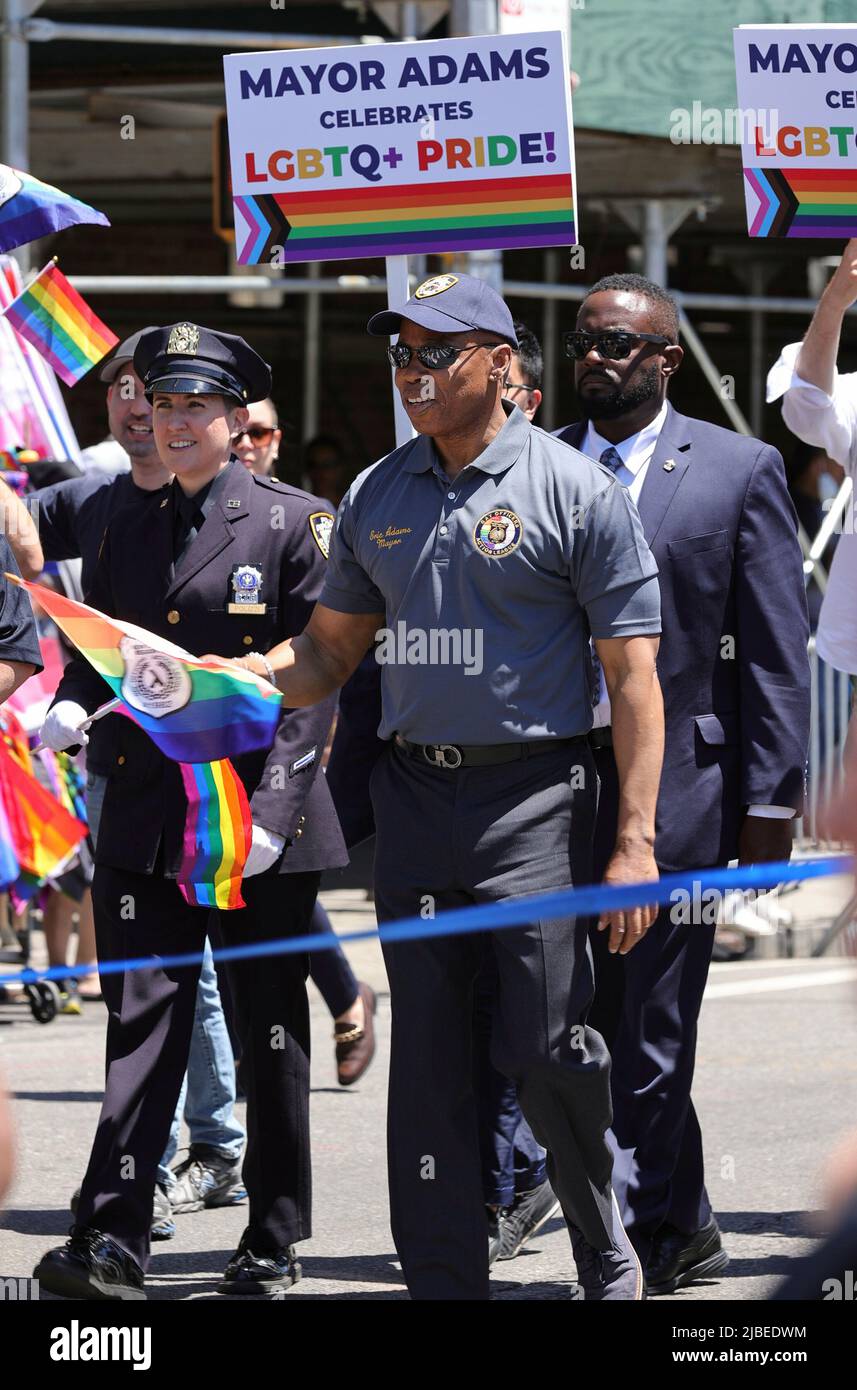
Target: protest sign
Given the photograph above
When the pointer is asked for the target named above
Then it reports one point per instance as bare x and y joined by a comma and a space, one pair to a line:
405, 148
800, 145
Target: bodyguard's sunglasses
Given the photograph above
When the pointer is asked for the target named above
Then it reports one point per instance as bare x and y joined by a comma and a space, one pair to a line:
613, 345
432, 355
257, 434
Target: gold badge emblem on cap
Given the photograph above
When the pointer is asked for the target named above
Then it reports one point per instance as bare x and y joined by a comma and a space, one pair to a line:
436, 285
184, 339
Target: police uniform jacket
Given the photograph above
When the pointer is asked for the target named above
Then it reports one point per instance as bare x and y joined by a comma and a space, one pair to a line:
281, 534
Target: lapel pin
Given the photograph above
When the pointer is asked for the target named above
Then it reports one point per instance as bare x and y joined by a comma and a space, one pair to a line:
165, 501
233, 502
669, 465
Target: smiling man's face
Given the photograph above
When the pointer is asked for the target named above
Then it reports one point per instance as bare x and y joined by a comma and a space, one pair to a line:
130, 416
194, 433
450, 400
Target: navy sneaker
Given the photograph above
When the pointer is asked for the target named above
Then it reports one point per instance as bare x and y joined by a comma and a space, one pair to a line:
495, 1217
527, 1214
206, 1178
90, 1265
607, 1275
249, 1273
678, 1259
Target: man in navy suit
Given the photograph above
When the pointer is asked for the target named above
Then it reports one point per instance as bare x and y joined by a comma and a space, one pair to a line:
735, 677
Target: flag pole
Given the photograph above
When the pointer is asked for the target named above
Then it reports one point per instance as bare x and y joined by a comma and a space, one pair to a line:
397, 293
106, 708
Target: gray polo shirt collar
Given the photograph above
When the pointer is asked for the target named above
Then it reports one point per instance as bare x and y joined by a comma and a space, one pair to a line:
504, 450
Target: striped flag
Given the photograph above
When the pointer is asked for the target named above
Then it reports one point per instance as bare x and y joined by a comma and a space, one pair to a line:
60, 325
200, 714
30, 209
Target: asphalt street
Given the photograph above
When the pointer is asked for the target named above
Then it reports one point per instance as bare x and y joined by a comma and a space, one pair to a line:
776, 1087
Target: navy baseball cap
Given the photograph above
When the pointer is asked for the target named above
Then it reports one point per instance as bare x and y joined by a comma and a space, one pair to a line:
124, 353
188, 359
450, 304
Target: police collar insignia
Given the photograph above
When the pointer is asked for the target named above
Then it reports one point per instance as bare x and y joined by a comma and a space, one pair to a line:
436, 285
184, 340
154, 683
498, 533
321, 527
246, 584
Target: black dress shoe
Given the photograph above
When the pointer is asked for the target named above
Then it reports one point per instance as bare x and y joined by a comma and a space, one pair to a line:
249, 1273
678, 1259
90, 1265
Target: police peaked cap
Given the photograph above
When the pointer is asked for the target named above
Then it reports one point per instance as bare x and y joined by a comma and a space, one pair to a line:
187, 359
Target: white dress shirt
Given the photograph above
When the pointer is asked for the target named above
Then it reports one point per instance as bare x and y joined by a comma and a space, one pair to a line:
636, 453
829, 422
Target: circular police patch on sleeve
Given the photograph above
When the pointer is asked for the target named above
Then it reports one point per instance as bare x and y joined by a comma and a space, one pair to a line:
498, 533
321, 526
436, 285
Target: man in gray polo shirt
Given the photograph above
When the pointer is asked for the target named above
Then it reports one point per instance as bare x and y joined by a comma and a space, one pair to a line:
481, 555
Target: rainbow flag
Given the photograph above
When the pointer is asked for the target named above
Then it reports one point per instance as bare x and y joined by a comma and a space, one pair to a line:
425, 217
199, 714
30, 209
802, 202
217, 837
60, 325
42, 835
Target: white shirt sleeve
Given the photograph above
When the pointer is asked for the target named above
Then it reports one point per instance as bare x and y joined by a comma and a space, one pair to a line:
830, 422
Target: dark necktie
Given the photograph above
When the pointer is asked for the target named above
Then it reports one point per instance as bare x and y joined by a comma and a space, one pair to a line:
612, 459
187, 524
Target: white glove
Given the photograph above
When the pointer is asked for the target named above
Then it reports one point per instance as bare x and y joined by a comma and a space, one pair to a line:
62, 729
265, 850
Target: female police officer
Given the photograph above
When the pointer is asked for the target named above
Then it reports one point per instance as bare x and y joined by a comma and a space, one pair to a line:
185, 572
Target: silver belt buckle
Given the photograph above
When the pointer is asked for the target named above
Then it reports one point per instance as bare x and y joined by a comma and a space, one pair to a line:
442, 755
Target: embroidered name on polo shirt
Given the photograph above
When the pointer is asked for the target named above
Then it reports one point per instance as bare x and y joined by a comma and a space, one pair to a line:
385, 540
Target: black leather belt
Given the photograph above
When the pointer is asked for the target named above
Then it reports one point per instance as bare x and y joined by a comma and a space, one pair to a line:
453, 755
601, 738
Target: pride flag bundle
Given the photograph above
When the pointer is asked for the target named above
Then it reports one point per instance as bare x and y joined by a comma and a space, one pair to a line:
200, 714
59, 323
37, 834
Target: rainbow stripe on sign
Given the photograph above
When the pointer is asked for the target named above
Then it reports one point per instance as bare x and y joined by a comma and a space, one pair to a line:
803, 202
60, 325
415, 218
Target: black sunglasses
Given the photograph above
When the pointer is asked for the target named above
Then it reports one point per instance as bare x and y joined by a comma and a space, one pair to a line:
613, 345
431, 355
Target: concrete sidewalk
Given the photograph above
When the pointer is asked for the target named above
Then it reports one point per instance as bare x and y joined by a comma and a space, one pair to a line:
776, 1085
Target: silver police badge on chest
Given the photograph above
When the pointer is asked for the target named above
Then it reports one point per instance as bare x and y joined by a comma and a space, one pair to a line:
154, 683
246, 586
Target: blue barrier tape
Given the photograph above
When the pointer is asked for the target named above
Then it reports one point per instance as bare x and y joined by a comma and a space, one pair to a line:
511, 912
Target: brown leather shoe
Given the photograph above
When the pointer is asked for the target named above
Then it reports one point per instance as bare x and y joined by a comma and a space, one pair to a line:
355, 1047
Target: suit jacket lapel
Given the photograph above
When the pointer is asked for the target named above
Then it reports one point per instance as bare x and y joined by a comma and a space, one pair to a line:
217, 531
662, 482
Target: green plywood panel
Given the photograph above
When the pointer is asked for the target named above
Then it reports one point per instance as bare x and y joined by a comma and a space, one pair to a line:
638, 61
